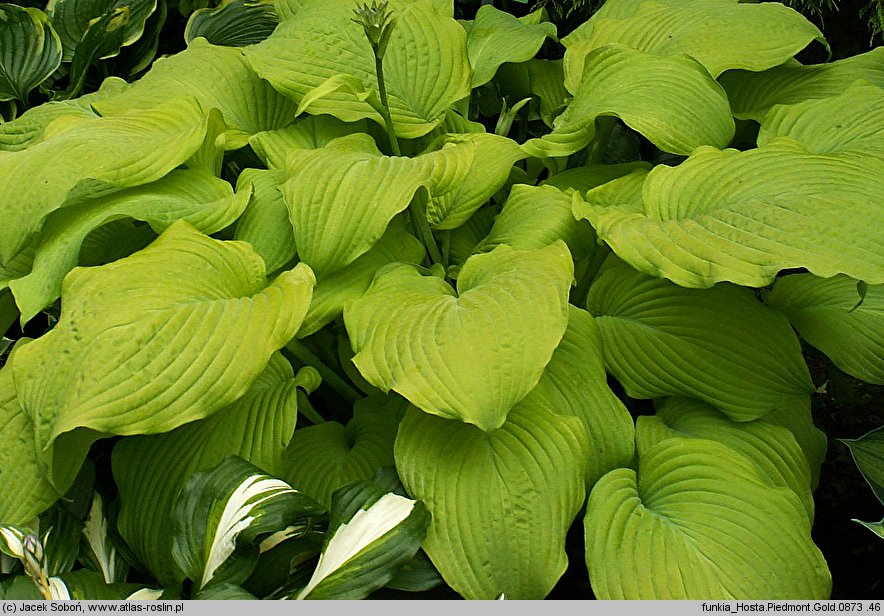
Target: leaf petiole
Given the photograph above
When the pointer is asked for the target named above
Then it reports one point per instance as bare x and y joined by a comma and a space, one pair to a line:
329, 376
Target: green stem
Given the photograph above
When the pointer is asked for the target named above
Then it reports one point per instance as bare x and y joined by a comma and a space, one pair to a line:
306, 409
446, 249
385, 105
418, 217
329, 376
421, 226
13, 110
604, 128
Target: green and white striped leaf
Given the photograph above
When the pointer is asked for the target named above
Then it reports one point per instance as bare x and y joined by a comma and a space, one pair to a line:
307, 133
61, 526
72, 19
718, 345
119, 153
227, 507
868, 453
335, 290
342, 197
156, 340
849, 122
530, 473
321, 41
833, 316
574, 383
496, 37
30, 51
265, 222
89, 585
720, 34
207, 203
671, 100
696, 521
875, 527
233, 23
26, 491
217, 77
450, 353
753, 93
724, 215
12, 540
371, 534
537, 216
322, 458
772, 448
98, 550
151, 470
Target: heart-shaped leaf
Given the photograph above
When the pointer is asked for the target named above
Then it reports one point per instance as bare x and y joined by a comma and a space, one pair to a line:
310, 133
219, 78
719, 345
30, 51
850, 122
122, 152
341, 198
496, 37
451, 354
537, 216
322, 458
574, 383
671, 100
831, 315
696, 521
772, 448
530, 473
720, 34
206, 202
724, 215
155, 340
321, 41
493, 158
752, 93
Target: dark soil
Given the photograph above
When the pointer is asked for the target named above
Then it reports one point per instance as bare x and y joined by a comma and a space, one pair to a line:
848, 409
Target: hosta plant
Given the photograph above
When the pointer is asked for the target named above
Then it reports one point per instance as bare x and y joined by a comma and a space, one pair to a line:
372, 303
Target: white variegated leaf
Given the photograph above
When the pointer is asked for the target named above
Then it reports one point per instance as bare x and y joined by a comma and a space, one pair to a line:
222, 511
372, 533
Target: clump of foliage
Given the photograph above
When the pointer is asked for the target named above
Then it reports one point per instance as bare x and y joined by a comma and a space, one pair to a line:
439, 252
69, 46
